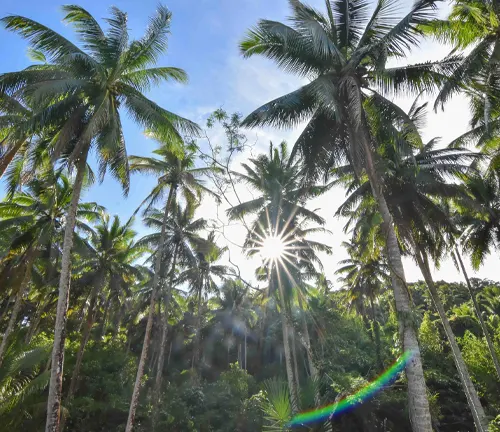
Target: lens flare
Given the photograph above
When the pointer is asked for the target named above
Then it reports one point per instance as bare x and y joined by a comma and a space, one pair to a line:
273, 248
355, 399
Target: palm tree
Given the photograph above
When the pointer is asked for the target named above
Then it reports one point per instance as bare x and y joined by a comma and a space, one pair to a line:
181, 237
36, 217
472, 26
364, 278
109, 261
344, 54
83, 89
176, 173
280, 217
202, 278
414, 184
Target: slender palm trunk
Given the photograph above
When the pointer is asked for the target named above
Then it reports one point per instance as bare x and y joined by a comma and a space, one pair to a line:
104, 327
470, 392
420, 416
7, 159
17, 305
91, 316
310, 359
484, 327
163, 343
57, 362
35, 323
288, 354
376, 334
196, 352
245, 347
294, 355
147, 336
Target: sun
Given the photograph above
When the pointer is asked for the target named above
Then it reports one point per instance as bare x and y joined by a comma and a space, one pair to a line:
273, 248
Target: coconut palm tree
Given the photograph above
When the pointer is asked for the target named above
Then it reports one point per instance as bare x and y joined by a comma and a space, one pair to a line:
108, 262
34, 219
364, 279
414, 183
279, 233
181, 237
178, 174
343, 53
83, 90
203, 278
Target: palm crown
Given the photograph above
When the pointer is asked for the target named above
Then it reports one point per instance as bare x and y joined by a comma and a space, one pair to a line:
87, 87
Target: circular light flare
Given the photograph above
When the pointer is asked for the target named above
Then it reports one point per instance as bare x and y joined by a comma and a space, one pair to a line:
273, 248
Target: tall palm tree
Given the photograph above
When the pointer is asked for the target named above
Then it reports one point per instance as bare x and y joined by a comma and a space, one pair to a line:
182, 235
178, 174
364, 278
203, 278
83, 89
414, 183
35, 217
344, 54
109, 261
280, 216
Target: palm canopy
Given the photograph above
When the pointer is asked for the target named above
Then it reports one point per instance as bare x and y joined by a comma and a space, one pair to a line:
343, 53
363, 277
84, 88
35, 217
280, 211
282, 191
182, 232
472, 25
478, 213
112, 252
416, 179
175, 169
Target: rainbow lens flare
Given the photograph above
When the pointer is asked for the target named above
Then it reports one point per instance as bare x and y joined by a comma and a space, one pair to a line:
355, 399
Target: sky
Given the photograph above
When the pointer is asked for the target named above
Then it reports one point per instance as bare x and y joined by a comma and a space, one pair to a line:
204, 42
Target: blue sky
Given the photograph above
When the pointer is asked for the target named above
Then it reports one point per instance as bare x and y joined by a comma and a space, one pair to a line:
204, 42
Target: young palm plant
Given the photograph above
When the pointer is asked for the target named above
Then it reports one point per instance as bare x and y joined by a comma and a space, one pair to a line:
344, 53
83, 90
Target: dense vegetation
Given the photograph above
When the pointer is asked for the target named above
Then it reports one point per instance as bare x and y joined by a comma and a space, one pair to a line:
106, 330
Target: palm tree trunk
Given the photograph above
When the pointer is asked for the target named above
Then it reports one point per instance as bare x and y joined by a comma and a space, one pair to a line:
295, 363
163, 343
91, 315
420, 416
7, 159
17, 305
376, 334
196, 351
310, 359
147, 336
57, 362
288, 355
470, 392
104, 327
484, 327
34, 323
245, 347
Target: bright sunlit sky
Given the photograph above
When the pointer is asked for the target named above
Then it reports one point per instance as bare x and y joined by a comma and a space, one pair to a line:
204, 42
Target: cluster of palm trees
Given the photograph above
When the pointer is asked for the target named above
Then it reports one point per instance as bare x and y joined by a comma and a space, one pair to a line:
404, 196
